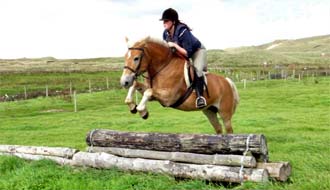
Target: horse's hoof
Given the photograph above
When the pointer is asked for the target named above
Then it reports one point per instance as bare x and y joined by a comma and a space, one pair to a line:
134, 110
145, 116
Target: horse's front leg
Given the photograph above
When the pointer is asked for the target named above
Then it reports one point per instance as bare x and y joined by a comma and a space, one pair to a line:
130, 99
142, 107
140, 87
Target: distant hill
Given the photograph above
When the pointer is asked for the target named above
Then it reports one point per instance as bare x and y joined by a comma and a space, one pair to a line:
312, 51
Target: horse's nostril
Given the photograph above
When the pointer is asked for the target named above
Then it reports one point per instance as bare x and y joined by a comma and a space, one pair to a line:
126, 83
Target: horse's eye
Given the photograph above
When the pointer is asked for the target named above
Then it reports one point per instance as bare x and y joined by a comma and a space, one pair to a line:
136, 60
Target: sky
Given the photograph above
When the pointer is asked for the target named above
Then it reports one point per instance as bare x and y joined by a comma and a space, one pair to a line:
97, 28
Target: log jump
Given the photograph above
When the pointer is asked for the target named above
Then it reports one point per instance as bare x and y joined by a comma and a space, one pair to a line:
194, 143
227, 158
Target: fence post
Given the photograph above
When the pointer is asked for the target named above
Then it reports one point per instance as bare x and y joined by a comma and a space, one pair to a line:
294, 74
46, 91
237, 77
25, 93
70, 88
258, 75
244, 81
90, 86
75, 101
107, 82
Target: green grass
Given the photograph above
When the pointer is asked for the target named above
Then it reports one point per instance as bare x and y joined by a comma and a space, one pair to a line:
15, 83
294, 116
47, 175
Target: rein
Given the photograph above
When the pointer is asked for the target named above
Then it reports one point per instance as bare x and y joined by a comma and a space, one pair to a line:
164, 65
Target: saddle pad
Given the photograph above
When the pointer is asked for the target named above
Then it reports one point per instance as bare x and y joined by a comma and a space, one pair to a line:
186, 75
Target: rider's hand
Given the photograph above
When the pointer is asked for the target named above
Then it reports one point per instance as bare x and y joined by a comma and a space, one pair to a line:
171, 44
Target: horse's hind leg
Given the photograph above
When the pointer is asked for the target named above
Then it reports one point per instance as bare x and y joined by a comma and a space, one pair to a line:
228, 105
212, 116
226, 118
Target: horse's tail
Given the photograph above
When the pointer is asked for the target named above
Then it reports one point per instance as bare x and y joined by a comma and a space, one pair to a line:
235, 92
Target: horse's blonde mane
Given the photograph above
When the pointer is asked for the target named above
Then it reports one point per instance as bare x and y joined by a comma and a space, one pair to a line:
145, 40
155, 40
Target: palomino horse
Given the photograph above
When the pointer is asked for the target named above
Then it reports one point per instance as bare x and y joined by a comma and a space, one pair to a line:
165, 83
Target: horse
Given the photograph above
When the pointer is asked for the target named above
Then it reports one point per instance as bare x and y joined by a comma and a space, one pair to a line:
165, 82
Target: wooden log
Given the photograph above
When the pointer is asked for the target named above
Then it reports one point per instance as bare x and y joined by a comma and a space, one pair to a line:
39, 150
278, 170
192, 171
215, 159
58, 160
194, 143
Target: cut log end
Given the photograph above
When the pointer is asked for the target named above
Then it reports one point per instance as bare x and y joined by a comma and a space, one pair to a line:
280, 171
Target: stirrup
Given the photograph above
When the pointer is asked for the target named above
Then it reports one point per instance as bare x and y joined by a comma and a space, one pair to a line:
200, 102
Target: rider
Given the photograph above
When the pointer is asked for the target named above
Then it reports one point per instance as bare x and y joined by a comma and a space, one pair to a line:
178, 35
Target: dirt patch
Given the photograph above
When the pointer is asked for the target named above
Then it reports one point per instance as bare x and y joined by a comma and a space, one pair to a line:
53, 111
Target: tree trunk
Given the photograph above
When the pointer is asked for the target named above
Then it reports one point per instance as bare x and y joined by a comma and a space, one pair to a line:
193, 171
40, 150
278, 170
216, 159
194, 143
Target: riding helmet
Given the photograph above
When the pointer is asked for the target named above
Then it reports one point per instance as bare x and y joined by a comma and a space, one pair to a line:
170, 14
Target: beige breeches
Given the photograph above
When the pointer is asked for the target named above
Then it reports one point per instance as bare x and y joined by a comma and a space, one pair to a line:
199, 60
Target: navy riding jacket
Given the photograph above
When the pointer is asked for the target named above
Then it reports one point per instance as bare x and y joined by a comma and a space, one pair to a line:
184, 38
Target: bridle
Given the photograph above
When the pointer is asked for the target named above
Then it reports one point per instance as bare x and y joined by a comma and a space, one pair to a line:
136, 70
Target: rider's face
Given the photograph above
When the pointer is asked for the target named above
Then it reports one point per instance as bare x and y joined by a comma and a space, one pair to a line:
167, 24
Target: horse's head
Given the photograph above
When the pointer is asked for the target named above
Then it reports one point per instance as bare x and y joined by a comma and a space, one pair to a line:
136, 63
140, 56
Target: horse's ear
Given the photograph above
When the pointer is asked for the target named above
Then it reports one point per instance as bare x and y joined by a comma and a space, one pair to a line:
128, 42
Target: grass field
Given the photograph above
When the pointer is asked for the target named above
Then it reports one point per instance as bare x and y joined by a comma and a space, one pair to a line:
15, 83
294, 116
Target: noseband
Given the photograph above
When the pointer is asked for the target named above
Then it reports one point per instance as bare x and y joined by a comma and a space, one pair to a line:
136, 70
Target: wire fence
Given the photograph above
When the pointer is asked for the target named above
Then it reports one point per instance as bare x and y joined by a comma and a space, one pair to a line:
269, 74
83, 85
55, 88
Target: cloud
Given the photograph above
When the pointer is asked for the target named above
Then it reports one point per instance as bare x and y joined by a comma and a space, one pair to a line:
97, 28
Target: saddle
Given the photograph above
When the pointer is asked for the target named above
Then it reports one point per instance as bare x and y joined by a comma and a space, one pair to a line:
189, 73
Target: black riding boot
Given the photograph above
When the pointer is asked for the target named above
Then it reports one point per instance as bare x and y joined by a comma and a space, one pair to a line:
199, 87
